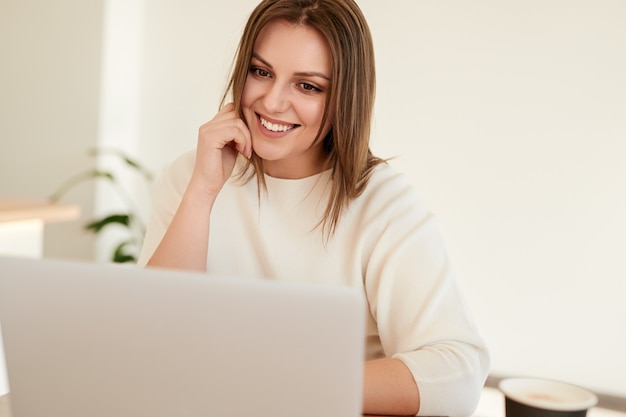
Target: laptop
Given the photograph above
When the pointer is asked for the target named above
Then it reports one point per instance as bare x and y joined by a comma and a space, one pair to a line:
108, 340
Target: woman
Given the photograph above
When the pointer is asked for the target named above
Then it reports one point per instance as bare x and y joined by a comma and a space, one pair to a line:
283, 186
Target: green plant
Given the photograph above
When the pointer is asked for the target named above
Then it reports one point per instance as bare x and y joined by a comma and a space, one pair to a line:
128, 249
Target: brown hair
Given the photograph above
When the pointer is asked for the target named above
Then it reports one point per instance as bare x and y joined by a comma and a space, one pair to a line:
353, 79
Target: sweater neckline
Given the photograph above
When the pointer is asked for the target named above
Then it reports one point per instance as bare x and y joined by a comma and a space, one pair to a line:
298, 188
311, 178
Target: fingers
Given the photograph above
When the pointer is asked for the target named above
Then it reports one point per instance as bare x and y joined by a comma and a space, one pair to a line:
227, 128
218, 134
219, 141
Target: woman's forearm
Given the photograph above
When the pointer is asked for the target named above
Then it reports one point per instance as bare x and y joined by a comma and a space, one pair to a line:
185, 243
389, 388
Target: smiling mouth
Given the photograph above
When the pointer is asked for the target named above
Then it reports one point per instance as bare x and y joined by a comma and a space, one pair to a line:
276, 127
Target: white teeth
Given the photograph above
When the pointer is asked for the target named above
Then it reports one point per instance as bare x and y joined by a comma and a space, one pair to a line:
274, 127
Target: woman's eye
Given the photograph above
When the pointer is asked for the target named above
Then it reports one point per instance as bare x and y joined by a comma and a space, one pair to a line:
260, 72
309, 87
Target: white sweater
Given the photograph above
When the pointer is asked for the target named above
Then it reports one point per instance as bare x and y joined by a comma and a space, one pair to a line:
386, 243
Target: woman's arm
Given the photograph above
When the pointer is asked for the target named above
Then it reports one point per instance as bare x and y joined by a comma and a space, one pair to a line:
185, 242
389, 388
421, 315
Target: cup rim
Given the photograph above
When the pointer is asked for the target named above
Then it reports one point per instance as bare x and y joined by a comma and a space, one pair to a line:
575, 398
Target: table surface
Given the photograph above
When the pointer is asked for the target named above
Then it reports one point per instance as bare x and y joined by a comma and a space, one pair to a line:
12, 210
491, 405
5, 407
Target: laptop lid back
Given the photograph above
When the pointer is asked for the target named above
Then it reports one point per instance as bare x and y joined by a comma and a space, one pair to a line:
108, 340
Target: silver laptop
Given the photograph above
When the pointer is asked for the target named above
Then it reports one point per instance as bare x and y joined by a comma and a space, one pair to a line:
106, 340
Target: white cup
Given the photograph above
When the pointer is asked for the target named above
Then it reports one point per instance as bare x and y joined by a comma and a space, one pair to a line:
536, 397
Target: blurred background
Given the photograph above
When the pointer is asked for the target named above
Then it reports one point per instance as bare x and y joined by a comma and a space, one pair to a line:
508, 116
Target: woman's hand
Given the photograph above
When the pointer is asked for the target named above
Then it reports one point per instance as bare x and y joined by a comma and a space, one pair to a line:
219, 141
185, 242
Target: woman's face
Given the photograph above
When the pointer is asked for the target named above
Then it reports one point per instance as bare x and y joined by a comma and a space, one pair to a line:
284, 98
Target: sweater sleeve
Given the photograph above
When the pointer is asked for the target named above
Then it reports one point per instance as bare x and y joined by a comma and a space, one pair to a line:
422, 317
165, 200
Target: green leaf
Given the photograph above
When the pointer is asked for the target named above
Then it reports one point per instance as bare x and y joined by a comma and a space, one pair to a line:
121, 255
103, 174
78, 179
129, 161
97, 225
134, 164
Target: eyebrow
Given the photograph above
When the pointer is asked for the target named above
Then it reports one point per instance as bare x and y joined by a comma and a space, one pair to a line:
300, 74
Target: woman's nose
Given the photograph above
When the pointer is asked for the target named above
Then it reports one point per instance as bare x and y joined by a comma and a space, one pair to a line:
276, 99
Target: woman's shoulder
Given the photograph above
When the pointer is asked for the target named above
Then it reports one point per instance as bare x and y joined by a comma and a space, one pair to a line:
387, 180
183, 164
390, 189
177, 173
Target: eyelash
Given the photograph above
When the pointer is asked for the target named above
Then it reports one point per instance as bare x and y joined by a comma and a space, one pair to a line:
306, 87
309, 88
257, 71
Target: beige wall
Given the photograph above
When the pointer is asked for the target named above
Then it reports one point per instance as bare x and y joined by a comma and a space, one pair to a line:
507, 115
49, 99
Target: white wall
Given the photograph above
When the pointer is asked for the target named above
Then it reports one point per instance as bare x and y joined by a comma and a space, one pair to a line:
119, 109
509, 118
188, 48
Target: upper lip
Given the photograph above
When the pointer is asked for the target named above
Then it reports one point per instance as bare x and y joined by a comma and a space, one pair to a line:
277, 122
